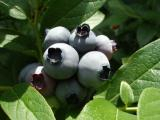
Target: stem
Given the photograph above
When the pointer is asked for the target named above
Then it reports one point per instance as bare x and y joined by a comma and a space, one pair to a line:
133, 109
39, 45
44, 6
129, 109
38, 39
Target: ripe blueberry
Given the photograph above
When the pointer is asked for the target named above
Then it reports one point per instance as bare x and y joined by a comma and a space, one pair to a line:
105, 45
56, 35
83, 39
35, 75
70, 92
60, 61
94, 69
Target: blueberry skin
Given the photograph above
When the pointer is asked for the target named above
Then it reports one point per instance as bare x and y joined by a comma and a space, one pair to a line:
93, 70
27, 71
70, 92
61, 61
56, 35
83, 44
36, 77
105, 45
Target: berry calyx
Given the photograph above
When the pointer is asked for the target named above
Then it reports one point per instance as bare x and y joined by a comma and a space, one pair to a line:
83, 30
54, 55
104, 73
38, 81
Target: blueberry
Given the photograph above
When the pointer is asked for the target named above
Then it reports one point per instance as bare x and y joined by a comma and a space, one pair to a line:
56, 35
105, 45
83, 39
94, 69
60, 61
70, 92
35, 75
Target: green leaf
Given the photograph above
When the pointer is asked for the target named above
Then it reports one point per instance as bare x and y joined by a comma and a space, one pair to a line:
96, 19
116, 19
145, 33
10, 65
142, 70
23, 102
70, 118
9, 31
149, 15
34, 4
6, 76
117, 6
124, 60
15, 27
21, 44
126, 93
16, 8
148, 106
53, 102
7, 39
100, 92
100, 109
70, 14
17, 12
120, 55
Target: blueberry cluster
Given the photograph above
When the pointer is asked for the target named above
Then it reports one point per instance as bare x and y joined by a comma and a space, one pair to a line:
73, 63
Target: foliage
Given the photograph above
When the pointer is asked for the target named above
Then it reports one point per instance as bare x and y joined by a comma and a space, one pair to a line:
133, 24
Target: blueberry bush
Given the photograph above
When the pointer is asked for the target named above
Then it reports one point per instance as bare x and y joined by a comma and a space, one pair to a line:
39, 53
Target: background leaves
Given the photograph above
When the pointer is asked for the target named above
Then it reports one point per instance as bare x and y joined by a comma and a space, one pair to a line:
24, 102
147, 106
16, 8
126, 93
22, 26
101, 109
140, 71
69, 13
10, 68
145, 33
